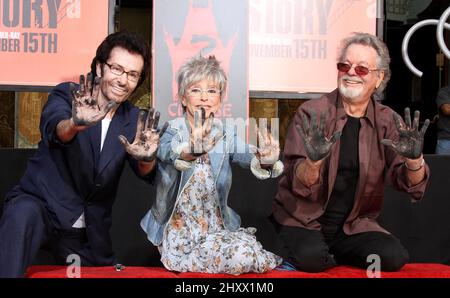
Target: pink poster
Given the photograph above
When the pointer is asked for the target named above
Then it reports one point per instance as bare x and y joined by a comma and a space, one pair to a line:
43, 43
293, 43
185, 28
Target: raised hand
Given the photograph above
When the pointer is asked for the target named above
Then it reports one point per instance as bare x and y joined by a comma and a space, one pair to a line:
86, 108
268, 150
146, 141
317, 145
201, 140
410, 142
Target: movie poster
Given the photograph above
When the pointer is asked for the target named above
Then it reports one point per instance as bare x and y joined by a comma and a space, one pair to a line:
293, 44
185, 28
45, 42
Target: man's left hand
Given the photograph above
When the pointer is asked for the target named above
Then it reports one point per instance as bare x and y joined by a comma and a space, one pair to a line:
410, 140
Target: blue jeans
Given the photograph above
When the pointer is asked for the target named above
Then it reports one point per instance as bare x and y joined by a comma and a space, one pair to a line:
443, 146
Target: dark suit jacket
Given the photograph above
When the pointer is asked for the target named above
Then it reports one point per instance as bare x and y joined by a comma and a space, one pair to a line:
75, 177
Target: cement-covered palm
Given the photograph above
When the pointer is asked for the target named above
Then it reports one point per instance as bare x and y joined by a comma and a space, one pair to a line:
146, 141
268, 150
317, 145
86, 108
201, 141
410, 141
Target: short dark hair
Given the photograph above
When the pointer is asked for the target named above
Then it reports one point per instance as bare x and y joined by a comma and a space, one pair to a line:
132, 42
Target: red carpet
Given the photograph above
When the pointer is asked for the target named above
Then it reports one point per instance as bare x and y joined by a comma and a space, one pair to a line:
100, 272
409, 271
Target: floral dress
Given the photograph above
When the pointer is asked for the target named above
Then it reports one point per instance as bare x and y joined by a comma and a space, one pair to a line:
195, 239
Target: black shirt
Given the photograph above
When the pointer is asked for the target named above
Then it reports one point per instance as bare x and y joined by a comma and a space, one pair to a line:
342, 197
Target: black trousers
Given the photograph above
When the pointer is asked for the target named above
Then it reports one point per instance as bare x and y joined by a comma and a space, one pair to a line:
310, 251
25, 227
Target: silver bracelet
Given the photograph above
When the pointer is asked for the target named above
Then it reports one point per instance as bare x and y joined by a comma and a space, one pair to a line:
415, 170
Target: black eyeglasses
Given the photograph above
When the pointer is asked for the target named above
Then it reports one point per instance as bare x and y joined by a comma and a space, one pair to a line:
118, 70
359, 69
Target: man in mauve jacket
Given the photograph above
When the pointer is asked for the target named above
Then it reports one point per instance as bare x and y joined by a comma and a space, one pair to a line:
339, 151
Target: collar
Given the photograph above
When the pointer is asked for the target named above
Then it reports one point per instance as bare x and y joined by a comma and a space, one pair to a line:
370, 110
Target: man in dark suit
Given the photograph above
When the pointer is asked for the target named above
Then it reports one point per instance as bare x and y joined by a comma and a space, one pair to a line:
64, 200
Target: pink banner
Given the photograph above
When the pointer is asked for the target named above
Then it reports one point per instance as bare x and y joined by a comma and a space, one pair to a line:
185, 28
293, 44
43, 43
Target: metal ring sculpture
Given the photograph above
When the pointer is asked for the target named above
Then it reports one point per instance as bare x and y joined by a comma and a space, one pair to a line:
439, 35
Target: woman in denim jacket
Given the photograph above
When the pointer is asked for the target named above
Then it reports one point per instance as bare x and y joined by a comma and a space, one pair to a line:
190, 221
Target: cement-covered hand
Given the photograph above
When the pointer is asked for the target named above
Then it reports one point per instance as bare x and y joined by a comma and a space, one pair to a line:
268, 150
146, 141
410, 141
317, 145
201, 140
87, 110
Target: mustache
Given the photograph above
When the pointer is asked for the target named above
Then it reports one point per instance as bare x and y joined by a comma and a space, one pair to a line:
352, 78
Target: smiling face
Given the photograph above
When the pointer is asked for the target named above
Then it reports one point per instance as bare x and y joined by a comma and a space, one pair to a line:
202, 94
355, 88
118, 87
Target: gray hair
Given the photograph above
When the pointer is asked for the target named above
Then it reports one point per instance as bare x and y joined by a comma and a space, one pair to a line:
383, 58
200, 68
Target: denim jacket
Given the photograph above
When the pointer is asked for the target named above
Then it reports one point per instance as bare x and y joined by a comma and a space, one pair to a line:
170, 181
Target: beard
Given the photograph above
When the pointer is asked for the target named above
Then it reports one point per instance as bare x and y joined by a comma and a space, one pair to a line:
350, 93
